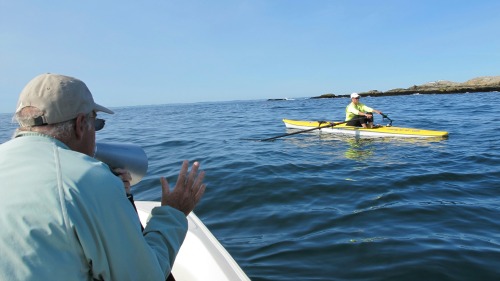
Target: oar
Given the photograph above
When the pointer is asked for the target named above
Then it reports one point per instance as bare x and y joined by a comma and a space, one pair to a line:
303, 131
387, 117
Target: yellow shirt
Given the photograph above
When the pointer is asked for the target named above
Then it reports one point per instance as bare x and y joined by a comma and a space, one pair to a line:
352, 110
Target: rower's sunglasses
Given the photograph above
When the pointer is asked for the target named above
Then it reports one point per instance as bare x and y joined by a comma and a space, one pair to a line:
356, 98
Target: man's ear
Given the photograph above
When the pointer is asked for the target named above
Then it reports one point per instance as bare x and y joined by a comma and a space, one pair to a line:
80, 124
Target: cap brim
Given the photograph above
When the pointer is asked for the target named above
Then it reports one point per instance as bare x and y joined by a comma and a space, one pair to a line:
101, 108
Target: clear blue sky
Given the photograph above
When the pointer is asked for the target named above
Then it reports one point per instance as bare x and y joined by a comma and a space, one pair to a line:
161, 51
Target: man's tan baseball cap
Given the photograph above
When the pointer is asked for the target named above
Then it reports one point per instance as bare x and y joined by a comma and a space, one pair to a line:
61, 98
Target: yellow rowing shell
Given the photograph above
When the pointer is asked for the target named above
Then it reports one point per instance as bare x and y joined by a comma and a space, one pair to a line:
382, 131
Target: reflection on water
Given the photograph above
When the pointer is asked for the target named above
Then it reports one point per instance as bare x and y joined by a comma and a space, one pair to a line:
355, 148
359, 149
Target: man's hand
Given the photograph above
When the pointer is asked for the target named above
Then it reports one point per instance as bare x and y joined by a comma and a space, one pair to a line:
125, 176
188, 190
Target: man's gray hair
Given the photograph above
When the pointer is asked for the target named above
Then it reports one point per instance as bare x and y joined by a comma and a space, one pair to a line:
61, 131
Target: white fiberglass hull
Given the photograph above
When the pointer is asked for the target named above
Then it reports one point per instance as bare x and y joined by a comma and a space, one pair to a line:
201, 256
382, 131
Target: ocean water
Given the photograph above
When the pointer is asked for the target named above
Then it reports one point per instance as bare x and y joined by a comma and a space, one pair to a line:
318, 207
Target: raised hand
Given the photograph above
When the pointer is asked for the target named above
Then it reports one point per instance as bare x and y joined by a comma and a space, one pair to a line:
188, 190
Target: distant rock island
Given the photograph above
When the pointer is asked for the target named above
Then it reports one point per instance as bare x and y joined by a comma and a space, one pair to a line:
480, 84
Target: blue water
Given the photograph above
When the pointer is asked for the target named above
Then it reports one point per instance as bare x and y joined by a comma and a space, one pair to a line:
319, 207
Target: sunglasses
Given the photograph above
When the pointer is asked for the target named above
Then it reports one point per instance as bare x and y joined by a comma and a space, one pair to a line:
99, 124
356, 98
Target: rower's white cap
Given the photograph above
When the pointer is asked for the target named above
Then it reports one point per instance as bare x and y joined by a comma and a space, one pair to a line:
354, 95
61, 98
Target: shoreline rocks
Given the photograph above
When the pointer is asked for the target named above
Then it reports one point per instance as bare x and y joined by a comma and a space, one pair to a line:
479, 84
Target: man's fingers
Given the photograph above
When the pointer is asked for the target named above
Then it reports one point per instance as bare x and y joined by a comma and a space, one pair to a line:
188, 190
182, 174
192, 174
165, 188
199, 193
199, 180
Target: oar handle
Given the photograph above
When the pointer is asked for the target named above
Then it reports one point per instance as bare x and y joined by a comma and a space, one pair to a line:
387, 117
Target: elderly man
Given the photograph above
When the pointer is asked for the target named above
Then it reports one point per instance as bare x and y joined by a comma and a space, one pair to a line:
64, 215
358, 114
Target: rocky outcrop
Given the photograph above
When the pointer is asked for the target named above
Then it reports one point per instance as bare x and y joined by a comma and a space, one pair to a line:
325, 96
480, 84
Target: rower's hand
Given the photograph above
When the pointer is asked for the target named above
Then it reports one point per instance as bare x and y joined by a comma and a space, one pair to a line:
188, 190
125, 176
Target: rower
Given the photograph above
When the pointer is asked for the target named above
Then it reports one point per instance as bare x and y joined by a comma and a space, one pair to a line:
358, 114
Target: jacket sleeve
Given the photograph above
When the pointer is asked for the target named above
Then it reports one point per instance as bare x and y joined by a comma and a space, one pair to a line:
109, 233
365, 108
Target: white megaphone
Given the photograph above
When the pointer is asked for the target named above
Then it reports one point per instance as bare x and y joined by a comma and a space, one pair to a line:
126, 156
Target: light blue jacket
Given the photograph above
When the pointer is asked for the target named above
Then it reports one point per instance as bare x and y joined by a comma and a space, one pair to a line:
65, 216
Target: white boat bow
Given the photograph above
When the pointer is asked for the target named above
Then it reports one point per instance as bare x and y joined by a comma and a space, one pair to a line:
201, 256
